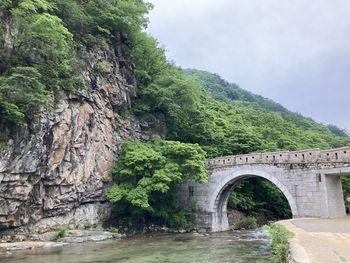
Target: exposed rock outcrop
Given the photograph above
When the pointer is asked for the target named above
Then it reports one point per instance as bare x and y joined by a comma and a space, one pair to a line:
57, 170
235, 218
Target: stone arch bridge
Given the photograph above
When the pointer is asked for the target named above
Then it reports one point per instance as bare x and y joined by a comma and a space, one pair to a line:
309, 179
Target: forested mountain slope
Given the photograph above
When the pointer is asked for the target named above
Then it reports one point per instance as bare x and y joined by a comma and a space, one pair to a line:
279, 128
265, 124
78, 79
224, 91
199, 109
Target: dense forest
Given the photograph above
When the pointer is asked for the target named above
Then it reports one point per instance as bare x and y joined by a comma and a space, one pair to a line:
205, 115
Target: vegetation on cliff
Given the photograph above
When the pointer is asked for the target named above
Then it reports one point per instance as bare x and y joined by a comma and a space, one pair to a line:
43, 46
232, 126
202, 108
43, 49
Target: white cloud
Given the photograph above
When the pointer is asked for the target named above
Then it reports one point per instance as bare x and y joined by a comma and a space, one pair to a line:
264, 45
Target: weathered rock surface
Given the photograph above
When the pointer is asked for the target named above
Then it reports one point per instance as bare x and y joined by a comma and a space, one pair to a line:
8, 247
235, 218
18, 242
57, 170
87, 236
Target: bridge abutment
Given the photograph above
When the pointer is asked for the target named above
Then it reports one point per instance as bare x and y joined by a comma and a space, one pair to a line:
335, 205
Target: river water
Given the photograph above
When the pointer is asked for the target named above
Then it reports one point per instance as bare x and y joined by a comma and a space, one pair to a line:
232, 246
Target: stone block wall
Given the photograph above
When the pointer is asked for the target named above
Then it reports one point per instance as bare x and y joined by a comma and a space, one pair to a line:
286, 157
310, 191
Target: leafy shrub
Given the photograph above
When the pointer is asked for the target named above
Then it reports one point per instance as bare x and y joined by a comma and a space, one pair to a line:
279, 244
21, 94
148, 178
48, 46
182, 219
249, 222
113, 230
258, 196
61, 231
103, 67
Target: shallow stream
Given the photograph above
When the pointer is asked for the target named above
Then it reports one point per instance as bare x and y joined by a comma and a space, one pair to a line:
233, 246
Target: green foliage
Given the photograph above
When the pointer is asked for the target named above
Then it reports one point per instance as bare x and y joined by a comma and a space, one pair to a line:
61, 231
175, 95
113, 230
42, 41
49, 37
45, 48
103, 67
150, 60
5, 4
21, 94
337, 131
279, 245
34, 62
242, 200
94, 22
225, 120
53, 38
277, 128
148, 176
113, 17
346, 186
244, 124
257, 196
249, 222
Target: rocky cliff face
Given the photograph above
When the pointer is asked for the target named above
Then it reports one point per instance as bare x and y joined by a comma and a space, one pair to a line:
57, 171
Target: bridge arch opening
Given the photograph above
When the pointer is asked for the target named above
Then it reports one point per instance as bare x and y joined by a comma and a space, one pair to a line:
259, 198
224, 191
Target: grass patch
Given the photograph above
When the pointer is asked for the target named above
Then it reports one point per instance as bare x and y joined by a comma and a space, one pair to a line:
61, 231
279, 245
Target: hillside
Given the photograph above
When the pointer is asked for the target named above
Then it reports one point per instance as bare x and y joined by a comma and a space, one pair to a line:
274, 127
88, 98
231, 93
202, 108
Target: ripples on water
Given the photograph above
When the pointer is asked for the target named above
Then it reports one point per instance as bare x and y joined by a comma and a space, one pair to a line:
236, 246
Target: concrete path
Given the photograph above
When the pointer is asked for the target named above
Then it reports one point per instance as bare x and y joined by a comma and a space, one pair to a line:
319, 240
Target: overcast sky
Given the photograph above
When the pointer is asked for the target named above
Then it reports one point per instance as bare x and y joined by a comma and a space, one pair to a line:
296, 52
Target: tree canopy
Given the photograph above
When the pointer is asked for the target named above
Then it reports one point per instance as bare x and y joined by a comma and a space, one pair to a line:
50, 38
43, 44
146, 174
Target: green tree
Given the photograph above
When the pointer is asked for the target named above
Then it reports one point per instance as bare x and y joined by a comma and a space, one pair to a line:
54, 38
150, 60
257, 196
21, 94
146, 174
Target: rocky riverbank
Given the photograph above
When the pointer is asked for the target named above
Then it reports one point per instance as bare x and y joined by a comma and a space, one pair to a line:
49, 239
15, 242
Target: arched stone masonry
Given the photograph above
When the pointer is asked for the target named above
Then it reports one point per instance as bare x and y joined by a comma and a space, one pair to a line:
312, 188
219, 198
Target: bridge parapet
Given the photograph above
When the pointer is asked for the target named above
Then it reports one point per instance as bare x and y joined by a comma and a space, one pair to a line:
312, 156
